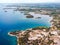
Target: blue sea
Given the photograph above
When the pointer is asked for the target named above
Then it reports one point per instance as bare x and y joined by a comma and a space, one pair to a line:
15, 20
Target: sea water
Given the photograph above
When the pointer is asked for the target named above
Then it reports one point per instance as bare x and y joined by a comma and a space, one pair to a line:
15, 20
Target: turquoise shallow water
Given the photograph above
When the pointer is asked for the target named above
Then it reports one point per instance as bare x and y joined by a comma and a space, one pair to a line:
15, 20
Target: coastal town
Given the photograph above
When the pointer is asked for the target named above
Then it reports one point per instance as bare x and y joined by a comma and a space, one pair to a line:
39, 35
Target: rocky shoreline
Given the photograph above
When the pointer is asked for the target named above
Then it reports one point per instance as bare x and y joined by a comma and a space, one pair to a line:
38, 36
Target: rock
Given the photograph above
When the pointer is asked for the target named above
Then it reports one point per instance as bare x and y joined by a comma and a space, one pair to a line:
29, 16
5, 11
38, 17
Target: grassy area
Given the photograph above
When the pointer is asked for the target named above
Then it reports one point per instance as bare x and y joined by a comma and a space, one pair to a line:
58, 28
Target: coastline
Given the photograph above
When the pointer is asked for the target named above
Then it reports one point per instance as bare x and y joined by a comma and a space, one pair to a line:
10, 34
37, 33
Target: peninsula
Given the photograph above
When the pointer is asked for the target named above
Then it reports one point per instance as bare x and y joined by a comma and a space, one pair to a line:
38, 36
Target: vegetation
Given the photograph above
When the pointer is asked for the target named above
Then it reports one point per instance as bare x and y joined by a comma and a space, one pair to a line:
29, 16
40, 27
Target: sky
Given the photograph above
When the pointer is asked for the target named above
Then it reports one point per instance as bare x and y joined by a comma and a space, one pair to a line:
29, 1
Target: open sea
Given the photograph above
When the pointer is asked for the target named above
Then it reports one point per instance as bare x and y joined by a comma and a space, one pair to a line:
15, 20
